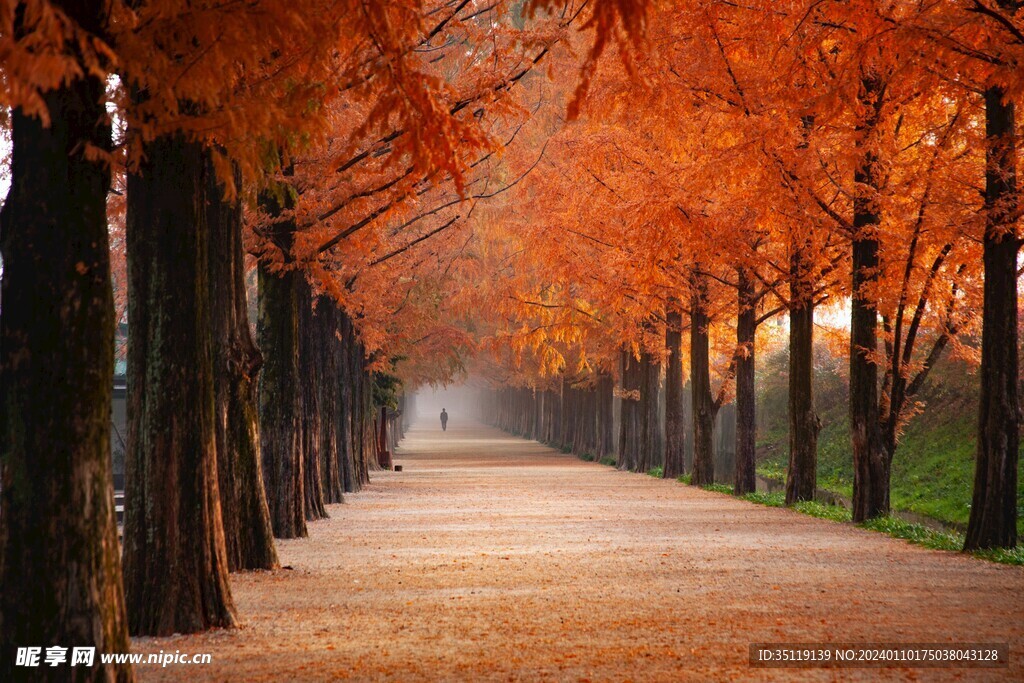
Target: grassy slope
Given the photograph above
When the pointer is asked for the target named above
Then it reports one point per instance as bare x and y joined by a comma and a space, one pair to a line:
933, 469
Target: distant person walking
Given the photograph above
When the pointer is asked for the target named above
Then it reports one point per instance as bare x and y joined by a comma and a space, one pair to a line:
444, 420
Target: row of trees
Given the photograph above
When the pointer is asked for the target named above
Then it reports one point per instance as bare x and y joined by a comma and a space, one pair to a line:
332, 142
405, 179
854, 160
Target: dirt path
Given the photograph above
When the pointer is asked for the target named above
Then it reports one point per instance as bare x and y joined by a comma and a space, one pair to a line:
495, 558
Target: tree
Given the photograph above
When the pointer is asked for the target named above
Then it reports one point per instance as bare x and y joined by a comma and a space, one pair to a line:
993, 521
312, 362
188, 78
630, 436
747, 321
198, 93
175, 557
871, 459
652, 449
249, 540
59, 561
279, 408
675, 419
705, 408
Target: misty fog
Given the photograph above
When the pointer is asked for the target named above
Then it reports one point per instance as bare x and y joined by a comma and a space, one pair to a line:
462, 403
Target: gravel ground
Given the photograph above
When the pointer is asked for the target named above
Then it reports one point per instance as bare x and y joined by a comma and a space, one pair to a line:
495, 558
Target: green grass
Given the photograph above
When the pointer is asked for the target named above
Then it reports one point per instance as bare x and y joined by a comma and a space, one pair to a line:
1003, 555
917, 534
775, 442
941, 540
772, 469
719, 487
933, 469
611, 462
895, 527
656, 472
587, 457
933, 466
775, 500
837, 513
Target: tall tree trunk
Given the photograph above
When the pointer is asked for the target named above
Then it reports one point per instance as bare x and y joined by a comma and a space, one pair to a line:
311, 377
605, 415
746, 419
329, 388
367, 453
675, 420
346, 438
280, 417
650, 418
544, 398
248, 537
688, 421
176, 567
539, 417
556, 411
358, 413
870, 457
629, 430
537, 406
555, 407
594, 417
568, 416
993, 520
577, 401
700, 375
588, 417
60, 566
801, 477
